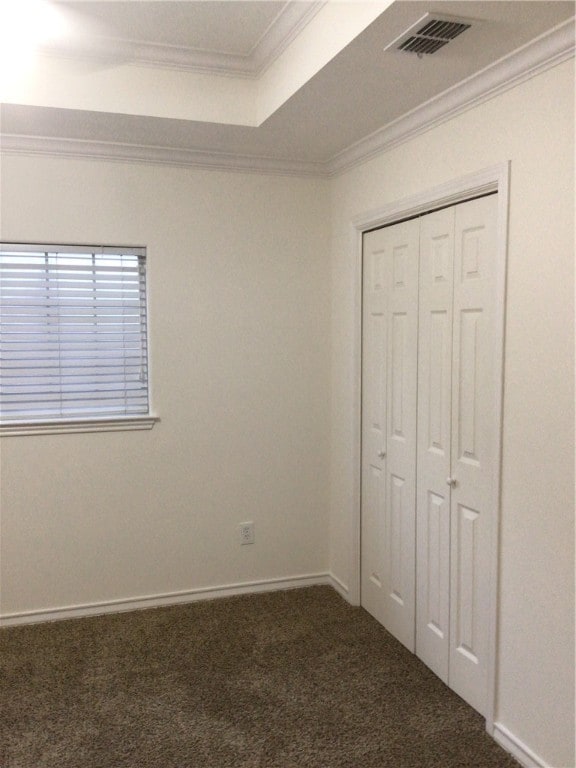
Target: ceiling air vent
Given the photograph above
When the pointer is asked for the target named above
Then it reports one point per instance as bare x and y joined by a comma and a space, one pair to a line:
429, 34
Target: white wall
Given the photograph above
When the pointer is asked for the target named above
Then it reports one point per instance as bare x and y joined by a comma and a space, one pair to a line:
239, 318
533, 126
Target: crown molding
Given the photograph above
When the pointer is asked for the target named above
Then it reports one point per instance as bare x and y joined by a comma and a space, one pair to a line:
532, 59
155, 155
285, 27
107, 52
546, 51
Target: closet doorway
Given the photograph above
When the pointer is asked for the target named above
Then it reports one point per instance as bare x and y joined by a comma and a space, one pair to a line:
432, 333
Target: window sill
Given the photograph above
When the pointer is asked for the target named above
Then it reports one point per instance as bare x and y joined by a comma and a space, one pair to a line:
19, 428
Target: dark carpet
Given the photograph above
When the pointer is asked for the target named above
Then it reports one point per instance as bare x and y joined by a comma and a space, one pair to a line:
295, 679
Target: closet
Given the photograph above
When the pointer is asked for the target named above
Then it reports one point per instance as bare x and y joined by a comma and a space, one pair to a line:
429, 417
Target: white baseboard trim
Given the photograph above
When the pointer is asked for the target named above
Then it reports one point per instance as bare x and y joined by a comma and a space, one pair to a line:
339, 586
172, 598
517, 748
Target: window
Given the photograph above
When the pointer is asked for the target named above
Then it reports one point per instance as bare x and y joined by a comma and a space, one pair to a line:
73, 338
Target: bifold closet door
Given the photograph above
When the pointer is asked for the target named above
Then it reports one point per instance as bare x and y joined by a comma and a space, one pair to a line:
389, 371
429, 421
434, 440
456, 444
474, 444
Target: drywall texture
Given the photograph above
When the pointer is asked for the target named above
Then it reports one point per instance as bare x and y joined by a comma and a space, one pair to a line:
239, 318
531, 125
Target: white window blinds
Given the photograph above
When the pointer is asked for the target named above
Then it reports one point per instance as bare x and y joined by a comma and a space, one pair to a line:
73, 339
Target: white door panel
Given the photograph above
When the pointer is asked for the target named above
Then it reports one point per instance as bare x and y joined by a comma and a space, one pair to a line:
376, 278
400, 594
473, 460
434, 437
390, 322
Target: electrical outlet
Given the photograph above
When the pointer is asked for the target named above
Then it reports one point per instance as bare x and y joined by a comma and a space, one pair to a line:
246, 533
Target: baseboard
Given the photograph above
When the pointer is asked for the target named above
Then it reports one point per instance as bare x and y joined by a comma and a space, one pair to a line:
339, 586
172, 598
517, 748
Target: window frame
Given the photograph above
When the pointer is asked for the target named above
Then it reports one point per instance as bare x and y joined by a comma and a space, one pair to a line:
107, 422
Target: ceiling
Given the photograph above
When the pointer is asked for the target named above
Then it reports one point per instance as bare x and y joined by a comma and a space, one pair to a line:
227, 35
219, 26
321, 96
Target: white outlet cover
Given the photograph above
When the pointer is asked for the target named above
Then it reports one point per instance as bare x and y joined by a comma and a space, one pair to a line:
246, 533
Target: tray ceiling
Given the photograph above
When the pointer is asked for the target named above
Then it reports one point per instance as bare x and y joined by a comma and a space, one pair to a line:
330, 87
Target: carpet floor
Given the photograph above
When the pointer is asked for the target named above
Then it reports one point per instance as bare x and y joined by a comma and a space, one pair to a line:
295, 679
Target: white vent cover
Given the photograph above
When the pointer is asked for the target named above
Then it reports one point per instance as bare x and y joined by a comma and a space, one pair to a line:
430, 33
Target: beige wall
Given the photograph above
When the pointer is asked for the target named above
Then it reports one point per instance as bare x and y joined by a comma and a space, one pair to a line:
239, 318
532, 126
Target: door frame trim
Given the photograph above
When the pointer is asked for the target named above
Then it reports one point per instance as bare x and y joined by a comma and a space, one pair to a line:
492, 179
